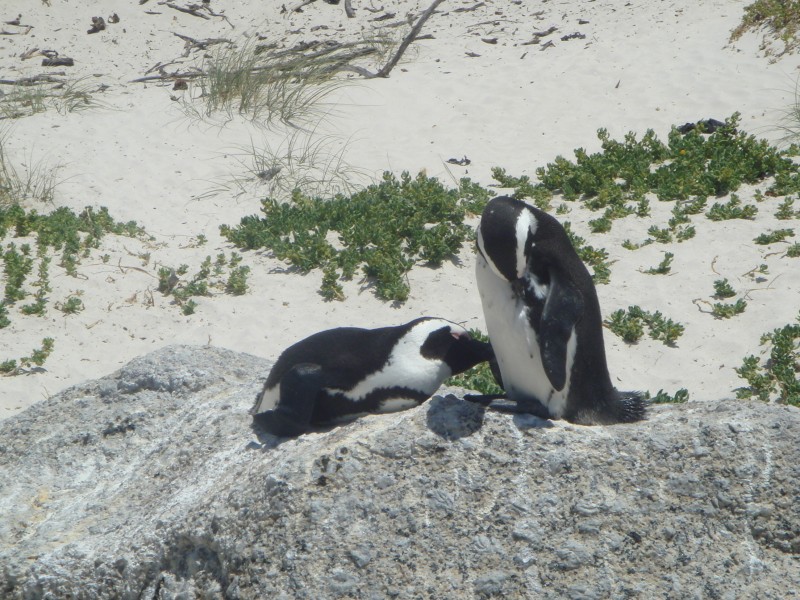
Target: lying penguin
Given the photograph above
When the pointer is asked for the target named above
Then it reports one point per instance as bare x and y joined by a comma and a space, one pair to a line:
341, 374
544, 321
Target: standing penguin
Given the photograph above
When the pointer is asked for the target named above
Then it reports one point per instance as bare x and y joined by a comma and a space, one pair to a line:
544, 321
341, 374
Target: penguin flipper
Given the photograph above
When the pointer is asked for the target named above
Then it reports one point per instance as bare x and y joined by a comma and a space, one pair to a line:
291, 416
562, 310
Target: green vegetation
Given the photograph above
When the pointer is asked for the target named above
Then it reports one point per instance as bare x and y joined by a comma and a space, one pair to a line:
786, 210
732, 209
723, 289
383, 230
780, 17
42, 284
774, 236
680, 397
779, 376
687, 169
690, 165
210, 275
725, 311
524, 188
757, 272
71, 305
630, 325
17, 266
73, 235
37, 358
350, 232
597, 258
479, 377
664, 267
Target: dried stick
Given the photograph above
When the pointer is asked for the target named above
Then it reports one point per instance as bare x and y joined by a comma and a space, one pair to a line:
412, 35
167, 76
301, 5
189, 11
192, 43
384, 72
35, 80
470, 8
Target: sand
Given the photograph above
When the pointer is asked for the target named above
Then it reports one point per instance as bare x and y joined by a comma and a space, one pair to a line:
475, 89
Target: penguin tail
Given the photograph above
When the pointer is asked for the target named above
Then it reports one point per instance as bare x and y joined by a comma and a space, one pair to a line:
631, 407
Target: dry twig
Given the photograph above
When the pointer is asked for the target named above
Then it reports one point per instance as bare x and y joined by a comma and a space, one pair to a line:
470, 8
190, 10
299, 7
412, 35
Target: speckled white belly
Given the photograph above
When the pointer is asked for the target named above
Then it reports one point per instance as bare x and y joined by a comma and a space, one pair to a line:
514, 342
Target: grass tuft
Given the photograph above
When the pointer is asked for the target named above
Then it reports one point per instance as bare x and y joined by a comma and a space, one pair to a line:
269, 86
781, 18
36, 181
28, 98
304, 160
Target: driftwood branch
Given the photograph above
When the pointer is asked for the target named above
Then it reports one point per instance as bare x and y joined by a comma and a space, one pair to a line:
193, 44
470, 8
167, 76
537, 36
35, 80
188, 11
299, 7
330, 57
338, 63
412, 35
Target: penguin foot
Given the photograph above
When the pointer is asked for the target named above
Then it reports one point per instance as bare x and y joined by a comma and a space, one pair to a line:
483, 399
527, 407
535, 408
631, 407
275, 423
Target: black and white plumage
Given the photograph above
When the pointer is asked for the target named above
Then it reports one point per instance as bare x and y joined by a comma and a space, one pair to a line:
341, 374
543, 317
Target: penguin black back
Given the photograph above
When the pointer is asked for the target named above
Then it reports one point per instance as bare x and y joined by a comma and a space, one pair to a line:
342, 373
544, 318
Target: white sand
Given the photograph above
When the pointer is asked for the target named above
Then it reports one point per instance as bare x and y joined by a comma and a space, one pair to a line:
648, 64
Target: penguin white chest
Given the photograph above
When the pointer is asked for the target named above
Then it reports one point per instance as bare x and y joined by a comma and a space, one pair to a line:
515, 343
405, 369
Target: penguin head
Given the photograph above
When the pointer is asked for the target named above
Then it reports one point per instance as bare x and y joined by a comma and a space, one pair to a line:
505, 236
451, 344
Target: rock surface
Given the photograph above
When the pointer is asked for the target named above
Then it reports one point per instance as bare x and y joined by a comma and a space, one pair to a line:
150, 483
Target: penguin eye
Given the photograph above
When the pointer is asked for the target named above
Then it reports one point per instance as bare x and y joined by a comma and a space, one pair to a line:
458, 335
438, 343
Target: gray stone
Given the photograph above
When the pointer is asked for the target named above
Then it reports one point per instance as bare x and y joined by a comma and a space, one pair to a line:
150, 483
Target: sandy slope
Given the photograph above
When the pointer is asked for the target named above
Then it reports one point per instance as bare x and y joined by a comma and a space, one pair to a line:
648, 64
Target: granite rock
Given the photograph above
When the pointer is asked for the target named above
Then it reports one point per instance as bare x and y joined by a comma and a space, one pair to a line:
150, 483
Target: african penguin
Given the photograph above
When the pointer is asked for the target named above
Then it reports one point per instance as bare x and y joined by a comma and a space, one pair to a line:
341, 374
543, 317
